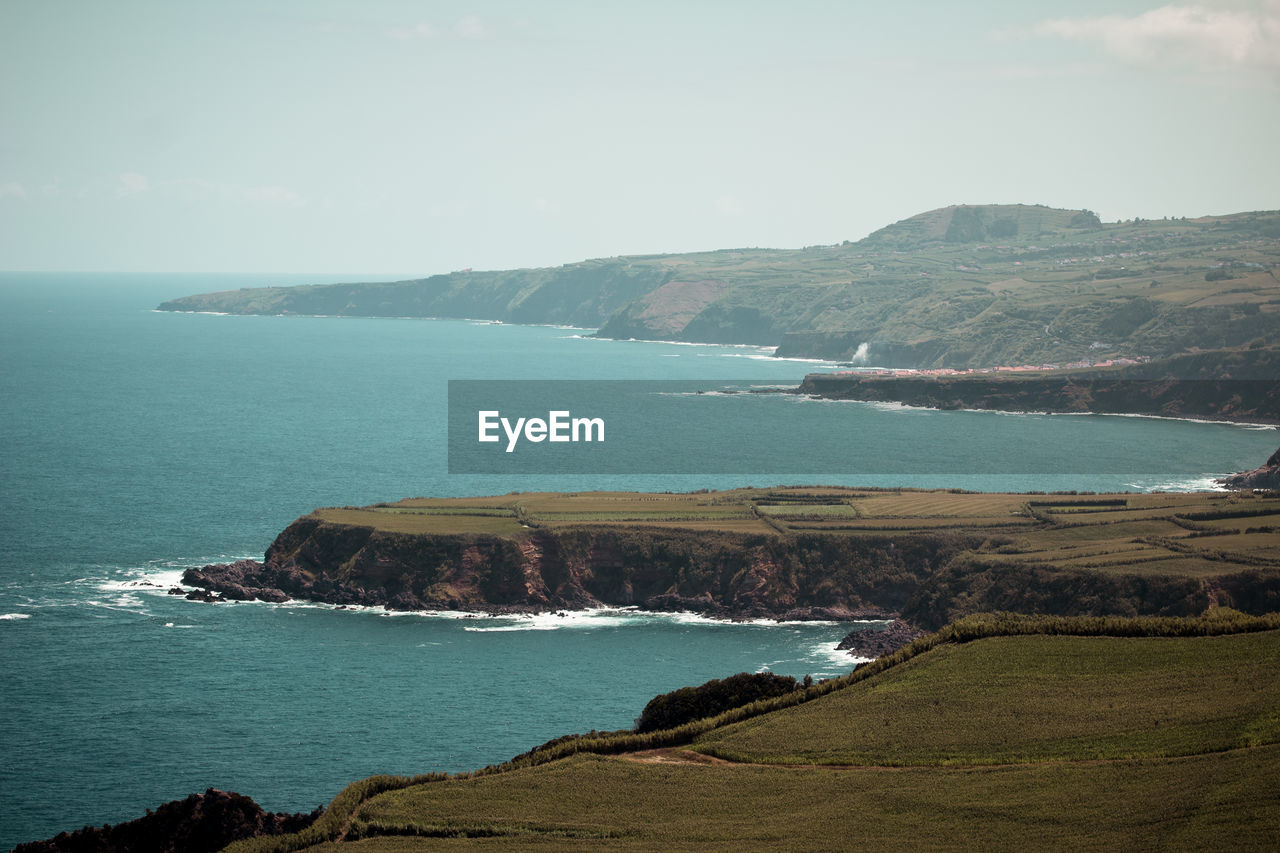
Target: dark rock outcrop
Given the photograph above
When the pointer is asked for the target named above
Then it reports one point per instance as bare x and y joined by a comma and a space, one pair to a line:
1265, 477
201, 823
876, 642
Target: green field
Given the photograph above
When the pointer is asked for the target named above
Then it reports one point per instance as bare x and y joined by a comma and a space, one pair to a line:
1049, 733
1144, 533
1010, 700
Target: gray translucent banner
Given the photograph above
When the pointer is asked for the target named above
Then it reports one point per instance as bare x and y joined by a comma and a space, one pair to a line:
744, 427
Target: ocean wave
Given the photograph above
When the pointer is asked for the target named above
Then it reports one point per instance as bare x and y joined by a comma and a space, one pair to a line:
598, 617
1206, 483
13, 617
840, 658
161, 581
122, 604
769, 356
878, 405
1241, 424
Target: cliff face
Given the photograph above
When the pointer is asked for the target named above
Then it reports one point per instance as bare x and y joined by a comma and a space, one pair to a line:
718, 574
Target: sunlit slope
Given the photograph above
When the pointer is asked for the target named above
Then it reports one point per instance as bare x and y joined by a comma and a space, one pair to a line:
1043, 698
1214, 802
998, 743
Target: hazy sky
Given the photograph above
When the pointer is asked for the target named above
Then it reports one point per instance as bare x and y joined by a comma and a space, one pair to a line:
419, 137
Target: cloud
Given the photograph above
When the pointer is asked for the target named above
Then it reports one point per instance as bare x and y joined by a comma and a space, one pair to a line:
471, 27
131, 183
200, 190
1208, 37
12, 190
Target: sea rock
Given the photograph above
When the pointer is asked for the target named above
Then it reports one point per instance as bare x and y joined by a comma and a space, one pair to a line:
874, 643
1265, 477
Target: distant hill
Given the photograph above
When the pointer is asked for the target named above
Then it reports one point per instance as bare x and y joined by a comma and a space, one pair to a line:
961, 286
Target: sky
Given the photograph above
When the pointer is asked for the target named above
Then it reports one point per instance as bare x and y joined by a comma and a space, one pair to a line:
387, 137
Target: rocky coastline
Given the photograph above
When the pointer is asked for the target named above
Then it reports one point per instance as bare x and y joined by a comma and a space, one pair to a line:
251, 580
1266, 476
1131, 393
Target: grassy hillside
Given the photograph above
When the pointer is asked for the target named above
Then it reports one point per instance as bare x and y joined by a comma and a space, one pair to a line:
1011, 700
960, 286
996, 734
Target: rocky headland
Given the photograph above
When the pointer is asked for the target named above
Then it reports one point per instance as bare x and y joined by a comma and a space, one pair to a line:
718, 575
1266, 476
815, 553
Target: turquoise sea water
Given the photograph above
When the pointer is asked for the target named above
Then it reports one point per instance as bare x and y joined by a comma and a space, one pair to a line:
138, 443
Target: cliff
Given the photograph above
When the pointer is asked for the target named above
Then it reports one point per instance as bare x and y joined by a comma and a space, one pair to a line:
961, 286
796, 553
724, 575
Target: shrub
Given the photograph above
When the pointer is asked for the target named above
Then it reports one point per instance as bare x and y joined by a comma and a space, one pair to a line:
707, 700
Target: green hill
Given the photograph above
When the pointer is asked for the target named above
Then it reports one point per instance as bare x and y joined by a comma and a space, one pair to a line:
996, 733
962, 286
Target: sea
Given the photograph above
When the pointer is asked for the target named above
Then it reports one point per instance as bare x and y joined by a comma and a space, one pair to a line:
138, 443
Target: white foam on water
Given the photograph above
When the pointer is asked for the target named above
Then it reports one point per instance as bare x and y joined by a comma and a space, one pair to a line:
1206, 483
878, 405
1241, 424
839, 659
552, 621
13, 617
123, 604
769, 356
152, 581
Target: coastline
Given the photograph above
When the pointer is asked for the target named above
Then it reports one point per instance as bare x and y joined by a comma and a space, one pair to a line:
1244, 402
251, 580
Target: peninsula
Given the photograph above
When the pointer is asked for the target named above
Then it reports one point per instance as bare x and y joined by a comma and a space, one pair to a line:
783, 553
